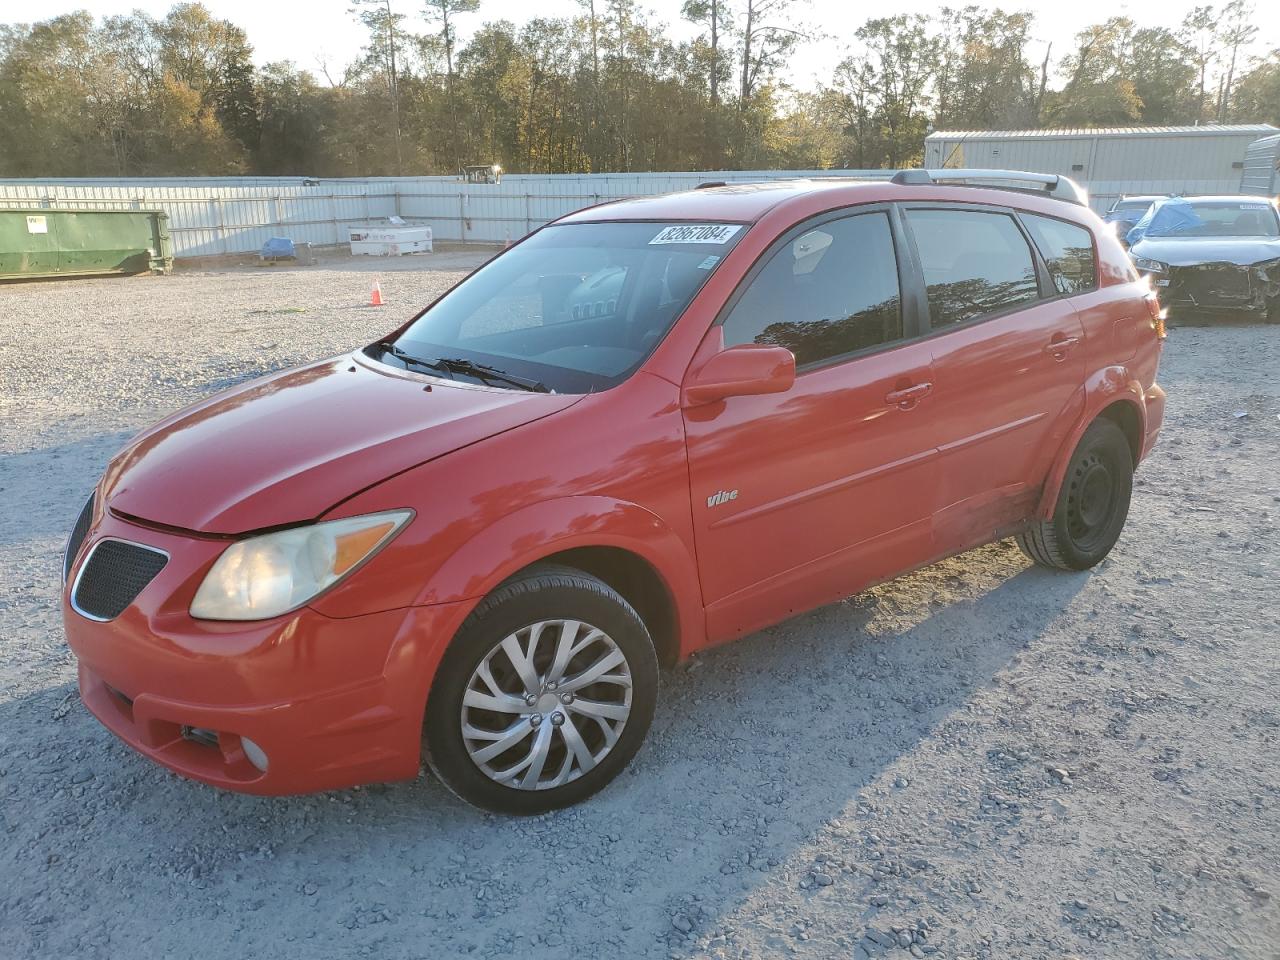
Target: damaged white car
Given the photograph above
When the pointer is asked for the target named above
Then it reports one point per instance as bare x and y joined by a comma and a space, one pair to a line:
1212, 254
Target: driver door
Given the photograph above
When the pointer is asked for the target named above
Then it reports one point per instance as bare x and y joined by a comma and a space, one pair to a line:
807, 496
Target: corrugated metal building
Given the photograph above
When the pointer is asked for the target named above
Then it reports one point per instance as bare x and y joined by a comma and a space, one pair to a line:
1261, 174
1109, 161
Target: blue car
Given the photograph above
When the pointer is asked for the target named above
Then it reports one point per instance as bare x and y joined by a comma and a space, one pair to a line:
1126, 212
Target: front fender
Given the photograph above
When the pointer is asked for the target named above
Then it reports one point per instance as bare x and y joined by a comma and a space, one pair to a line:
540, 530
1109, 385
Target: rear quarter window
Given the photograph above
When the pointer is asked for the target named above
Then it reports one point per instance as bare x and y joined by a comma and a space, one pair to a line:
1068, 252
975, 263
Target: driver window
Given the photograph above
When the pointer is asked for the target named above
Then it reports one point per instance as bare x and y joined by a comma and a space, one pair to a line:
831, 291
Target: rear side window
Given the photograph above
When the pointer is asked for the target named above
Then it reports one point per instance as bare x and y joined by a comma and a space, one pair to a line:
974, 263
1067, 249
830, 291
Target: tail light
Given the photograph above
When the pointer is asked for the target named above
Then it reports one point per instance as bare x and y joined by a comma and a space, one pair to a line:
1158, 315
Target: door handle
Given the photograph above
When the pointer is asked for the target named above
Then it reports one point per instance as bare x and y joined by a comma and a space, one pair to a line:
908, 397
1059, 346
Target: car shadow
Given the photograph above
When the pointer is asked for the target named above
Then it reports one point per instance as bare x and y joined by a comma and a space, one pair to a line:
756, 748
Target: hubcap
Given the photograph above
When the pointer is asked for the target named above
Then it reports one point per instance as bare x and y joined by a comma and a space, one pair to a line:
546, 704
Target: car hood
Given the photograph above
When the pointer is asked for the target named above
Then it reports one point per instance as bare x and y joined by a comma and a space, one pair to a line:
285, 448
1189, 251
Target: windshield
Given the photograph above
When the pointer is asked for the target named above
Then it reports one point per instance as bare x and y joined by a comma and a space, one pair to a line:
577, 307
1218, 218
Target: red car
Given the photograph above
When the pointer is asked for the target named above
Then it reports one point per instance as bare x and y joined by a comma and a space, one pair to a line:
650, 427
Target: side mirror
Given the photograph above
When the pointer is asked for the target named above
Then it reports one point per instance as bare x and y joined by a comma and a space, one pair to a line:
744, 370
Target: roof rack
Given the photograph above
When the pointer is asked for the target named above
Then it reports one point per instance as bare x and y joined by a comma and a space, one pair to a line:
1060, 188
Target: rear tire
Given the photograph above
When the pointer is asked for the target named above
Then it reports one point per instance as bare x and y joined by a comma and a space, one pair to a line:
545, 694
1092, 504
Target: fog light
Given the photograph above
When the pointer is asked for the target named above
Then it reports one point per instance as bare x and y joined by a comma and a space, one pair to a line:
206, 738
257, 756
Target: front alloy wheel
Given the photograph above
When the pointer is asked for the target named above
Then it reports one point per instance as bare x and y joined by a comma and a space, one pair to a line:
546, 705
544, 695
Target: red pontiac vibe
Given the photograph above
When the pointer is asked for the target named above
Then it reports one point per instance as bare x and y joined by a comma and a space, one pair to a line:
650, 427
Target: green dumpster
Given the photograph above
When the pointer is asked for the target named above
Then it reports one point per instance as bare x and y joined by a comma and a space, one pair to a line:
69, 243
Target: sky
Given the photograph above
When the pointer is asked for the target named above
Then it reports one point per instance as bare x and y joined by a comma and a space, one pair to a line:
310, 32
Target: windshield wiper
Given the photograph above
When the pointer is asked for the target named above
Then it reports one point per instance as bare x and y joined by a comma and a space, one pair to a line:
408, 359
452, 365
482, 371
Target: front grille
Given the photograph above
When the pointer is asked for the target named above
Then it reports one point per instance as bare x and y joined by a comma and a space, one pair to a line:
78, 533
113, 575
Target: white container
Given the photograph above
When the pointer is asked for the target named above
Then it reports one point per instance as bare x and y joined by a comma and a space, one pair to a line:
389, 241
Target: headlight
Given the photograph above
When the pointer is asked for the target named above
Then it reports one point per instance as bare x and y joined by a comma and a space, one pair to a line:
274, 573
1150, 266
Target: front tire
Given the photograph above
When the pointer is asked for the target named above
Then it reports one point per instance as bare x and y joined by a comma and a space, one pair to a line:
545, 694
1092, 504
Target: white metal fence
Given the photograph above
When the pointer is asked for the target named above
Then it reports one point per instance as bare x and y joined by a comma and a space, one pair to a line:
222, 215
497, 212
217, 215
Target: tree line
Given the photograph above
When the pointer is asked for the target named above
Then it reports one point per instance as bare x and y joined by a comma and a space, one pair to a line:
606, 90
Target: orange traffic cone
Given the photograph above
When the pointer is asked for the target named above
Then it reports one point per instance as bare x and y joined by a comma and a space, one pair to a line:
375, 296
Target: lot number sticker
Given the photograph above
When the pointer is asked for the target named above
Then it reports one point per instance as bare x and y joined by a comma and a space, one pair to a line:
697, 233
37, 225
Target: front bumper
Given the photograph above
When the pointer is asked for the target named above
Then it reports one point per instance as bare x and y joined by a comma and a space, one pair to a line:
1218, 287
332, 702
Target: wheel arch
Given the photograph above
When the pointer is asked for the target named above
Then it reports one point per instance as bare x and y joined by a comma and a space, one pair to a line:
638, 582
1125, 415
623, 544
1112, 393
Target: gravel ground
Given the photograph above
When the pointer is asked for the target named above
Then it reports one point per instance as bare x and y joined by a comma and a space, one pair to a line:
980, 760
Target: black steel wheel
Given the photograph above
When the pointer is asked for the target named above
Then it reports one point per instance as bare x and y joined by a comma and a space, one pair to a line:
1092, 505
